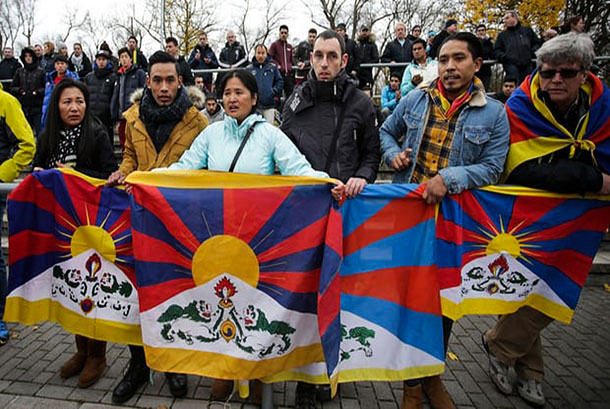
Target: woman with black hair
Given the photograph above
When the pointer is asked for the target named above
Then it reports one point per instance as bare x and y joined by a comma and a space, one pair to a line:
216, 146
73, 136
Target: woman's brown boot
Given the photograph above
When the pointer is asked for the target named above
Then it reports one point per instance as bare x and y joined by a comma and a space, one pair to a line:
94, 365
75, 364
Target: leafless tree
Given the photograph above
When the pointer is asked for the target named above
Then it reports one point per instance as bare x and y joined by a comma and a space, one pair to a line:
271, 13
9, 23
26, 10
75, 20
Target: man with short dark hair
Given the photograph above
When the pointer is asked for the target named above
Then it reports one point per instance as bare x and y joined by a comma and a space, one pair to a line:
515, 47
101, 82
160, 127
559, 120
390, 95
508, 86
367, 53
281, 54
302, 54
488, 51
415, 33
9, 65
171, 47
130, 78
451, 27
213, 110
398, 50
332, 123
137, 57
421, 69
453, 138
202, 58
353, 64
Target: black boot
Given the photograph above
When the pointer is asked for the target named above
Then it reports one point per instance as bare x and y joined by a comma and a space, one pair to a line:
137, 375
305, 396
177, 384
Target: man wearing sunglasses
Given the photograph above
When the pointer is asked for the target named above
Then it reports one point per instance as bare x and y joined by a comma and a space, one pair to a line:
559, 120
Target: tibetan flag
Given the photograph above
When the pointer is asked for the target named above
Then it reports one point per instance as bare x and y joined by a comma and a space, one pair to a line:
70, 256
391, 324
237, 274
500, 248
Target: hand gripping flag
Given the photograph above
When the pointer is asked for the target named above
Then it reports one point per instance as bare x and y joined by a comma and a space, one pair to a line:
500, 248
70, 258
391, 325
237, 274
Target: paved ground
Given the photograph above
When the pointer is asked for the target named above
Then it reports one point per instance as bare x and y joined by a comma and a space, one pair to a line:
577, 359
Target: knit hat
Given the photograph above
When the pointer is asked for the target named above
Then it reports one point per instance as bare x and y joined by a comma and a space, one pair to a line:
341, 26
450, 22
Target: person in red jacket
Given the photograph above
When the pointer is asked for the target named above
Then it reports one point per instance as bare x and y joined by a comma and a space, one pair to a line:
281, 55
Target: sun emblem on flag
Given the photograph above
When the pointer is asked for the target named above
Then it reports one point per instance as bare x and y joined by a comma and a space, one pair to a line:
495, 240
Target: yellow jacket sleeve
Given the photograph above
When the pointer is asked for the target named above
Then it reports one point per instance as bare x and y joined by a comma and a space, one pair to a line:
15, 120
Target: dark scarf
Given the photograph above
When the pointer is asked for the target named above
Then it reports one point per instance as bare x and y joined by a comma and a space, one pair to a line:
102, 72
328, 91
161, 120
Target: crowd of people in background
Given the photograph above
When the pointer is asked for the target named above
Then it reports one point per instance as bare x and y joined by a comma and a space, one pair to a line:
112, 78
329, 126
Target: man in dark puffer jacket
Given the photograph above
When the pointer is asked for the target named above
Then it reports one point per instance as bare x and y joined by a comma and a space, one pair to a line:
28, 87
101, 82
131, 78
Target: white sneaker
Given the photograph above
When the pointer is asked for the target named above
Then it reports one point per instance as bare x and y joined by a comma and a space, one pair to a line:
531, 391
498, 371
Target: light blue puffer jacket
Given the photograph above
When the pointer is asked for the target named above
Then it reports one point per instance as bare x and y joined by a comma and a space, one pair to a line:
268, 146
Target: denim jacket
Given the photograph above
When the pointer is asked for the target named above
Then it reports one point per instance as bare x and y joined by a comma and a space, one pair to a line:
479, 147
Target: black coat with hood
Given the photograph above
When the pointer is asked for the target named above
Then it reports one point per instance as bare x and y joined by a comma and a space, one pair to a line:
310, 118
367, 53
101, 83
29, 83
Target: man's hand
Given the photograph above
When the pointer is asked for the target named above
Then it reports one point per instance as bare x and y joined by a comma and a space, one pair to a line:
197, 55
301, 65
398, 94
401, 160
207, 60
417, 79
338, 191
116, 178
605, 190
354, 186
435, 190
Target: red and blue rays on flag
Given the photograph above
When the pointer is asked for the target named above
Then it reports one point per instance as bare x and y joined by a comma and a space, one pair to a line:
289, 224
535, 247
46, 212
389, 274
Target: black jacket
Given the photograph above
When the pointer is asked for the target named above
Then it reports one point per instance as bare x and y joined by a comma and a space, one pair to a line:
310, 116
138, 59
436, 43
301, 55
101, 83
127, 82
99, 162
516, 46
488, 53
367, 53
47, 63
233, 55
397, 53
201, 64
185, 71
28, 86
8, 67
351, 48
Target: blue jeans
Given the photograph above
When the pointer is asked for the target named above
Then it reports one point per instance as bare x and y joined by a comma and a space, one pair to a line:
3, 278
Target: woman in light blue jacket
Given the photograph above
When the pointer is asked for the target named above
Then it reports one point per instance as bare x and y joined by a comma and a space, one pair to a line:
245, 143
217, 146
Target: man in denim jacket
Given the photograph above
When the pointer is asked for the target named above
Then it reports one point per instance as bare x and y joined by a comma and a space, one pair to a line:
455, 138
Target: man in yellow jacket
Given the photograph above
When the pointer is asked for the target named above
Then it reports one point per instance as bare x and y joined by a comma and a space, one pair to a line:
15, 136
160, 126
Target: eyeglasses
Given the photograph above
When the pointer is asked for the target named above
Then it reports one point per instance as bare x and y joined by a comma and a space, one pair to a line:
564, 72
